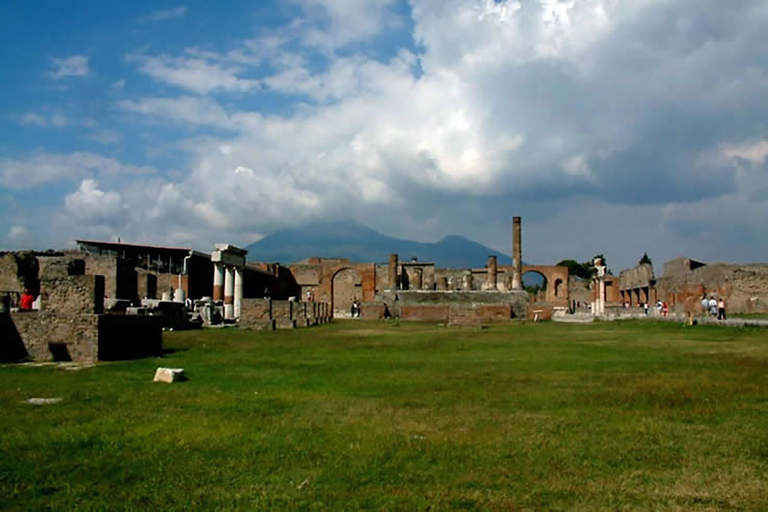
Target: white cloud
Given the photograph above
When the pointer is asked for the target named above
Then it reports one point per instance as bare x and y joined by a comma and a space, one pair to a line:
90, 205
119, 85
106, 137
42, 168
551, 108
31, 118
332, 24
19, 237
187, 109
77, 65
755, 152
194, 74
56, 120
167, 14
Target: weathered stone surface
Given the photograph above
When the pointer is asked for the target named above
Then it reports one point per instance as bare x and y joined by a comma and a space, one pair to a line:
169, 375
73, 295
49, 336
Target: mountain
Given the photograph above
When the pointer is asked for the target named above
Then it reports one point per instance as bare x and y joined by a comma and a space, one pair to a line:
358, 243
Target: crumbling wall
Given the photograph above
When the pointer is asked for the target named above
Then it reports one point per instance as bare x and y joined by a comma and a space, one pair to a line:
49, 336
285, 314
73, 295
744, 287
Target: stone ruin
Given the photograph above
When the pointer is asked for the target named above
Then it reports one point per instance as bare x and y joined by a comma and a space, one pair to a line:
415, 290
70, 324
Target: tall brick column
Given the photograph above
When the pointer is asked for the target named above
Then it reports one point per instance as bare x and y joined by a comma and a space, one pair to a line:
229, 294
490, 276
392, 272
218, 281
517, 254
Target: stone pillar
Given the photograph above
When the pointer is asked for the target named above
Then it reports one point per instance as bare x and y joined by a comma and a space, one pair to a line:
466, 281
218, 281
392, 272
442, 283
490, 276
418, 279
517, 254
229, 294
238, 291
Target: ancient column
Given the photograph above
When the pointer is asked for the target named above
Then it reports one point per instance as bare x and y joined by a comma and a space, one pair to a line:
517, 255
218, 281
490, 275
238, 290
466, 281
392, 272
418, 279
229, 294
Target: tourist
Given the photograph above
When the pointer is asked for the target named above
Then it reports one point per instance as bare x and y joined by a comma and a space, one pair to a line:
721, 309
712, 306
664, 309
645, 308
658, 307
704, 305
25, 303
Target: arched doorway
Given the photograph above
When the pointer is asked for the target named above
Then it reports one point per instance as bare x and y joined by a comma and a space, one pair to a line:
535, 283
559, 289
346, 286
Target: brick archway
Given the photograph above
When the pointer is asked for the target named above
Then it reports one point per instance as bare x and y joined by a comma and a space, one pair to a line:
346, 286
557, 282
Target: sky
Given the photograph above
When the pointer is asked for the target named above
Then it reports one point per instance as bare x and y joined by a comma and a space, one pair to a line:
611, 126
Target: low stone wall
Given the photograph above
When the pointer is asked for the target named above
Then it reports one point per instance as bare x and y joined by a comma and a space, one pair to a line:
49, 336
283, 314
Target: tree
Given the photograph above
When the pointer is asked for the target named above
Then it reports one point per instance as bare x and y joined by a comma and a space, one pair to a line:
645, 260
585, 270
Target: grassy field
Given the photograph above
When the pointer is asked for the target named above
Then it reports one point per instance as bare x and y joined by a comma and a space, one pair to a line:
625, 415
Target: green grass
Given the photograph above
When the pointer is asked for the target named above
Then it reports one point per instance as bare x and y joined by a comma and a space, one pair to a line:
625, 415
751, 316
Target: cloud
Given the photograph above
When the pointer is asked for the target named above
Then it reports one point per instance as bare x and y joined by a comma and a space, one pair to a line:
106, 137
119, 85
55, 120
77, 65
43, 168
629, 125
20, 237
90, 205
334, 24
167, 14
194, 74
186, 109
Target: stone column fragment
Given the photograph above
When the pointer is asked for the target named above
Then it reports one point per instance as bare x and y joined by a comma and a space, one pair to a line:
218, 281
517, 254
392, 272
238, 291
229, 294
490, 275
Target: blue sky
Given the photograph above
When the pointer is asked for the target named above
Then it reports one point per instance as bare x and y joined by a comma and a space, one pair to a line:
614, 127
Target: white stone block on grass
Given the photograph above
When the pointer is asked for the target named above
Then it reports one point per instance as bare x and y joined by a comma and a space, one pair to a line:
169, 375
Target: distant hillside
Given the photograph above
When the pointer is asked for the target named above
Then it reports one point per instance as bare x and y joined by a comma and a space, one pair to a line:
359, 243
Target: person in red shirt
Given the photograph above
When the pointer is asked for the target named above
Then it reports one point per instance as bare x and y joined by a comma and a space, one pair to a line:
25, 303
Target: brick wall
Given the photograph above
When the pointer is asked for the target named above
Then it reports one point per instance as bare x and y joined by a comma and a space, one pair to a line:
70, 336
268, 313
73, 295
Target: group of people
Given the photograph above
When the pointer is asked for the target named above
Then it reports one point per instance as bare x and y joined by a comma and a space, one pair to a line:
661, 307
713, 307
